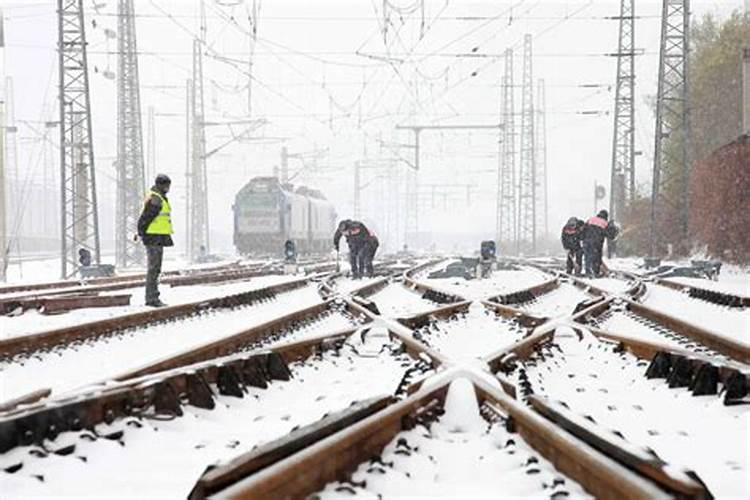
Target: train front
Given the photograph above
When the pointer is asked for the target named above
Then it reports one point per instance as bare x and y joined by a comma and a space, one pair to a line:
258, 217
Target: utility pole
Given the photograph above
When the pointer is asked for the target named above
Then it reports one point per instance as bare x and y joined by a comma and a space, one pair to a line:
670, 192
506, 202
130, 170
80, 220
541, 160
527, 168
622, 180
253, 15
198, 205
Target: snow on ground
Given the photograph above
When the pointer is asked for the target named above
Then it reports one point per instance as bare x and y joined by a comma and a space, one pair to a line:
163, 459
629, 324
475, 334
561, 301
458, 456
34, 322
501, 282
730, 322
347, 285
90, 361
697, 433
612, 285
395, 301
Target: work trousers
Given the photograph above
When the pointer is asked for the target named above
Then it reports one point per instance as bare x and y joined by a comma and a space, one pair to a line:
154, 254
593, 257
575, 260
357, 251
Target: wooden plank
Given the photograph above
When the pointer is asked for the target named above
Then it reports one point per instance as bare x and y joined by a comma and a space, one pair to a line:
218, 478
63, 304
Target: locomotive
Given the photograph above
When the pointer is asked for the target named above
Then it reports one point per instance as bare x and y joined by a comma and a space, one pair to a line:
267, 214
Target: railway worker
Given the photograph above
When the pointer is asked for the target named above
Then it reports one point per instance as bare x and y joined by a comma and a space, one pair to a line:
155, 231
361, 248
571, 235
371, 247
596, 230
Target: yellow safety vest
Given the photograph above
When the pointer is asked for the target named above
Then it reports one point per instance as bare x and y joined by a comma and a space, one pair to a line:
162, 223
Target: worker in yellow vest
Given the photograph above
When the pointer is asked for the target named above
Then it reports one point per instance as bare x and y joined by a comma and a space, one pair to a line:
155, 231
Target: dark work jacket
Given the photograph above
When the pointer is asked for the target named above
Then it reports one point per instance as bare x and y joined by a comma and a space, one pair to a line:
357, 235
595, 230
571, 236
151, 208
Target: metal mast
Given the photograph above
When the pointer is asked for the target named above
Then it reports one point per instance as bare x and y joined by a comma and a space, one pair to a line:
526, 171
670, 189
622, 181
80, 224
541, 159
130, 169
506, 201
4, 245
198, 208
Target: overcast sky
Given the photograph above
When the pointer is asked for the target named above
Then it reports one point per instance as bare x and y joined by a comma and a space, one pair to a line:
327, 77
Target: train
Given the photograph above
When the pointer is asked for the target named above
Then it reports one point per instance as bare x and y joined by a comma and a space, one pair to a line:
268, 213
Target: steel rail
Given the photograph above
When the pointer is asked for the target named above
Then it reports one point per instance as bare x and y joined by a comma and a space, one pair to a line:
336, 456
29, 343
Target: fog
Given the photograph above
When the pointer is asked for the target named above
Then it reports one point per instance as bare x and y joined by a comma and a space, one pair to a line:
332, 85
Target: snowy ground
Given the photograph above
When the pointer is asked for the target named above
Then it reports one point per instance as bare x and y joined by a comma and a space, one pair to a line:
561, 301
501, 282
66, 368
395, 301
458, 456
182, 448
33, 322
731, 322
697, 433
612, 285
472, 335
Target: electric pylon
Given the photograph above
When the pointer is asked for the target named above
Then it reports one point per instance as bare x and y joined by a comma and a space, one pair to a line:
198, 208
541, 160
130, 171
622, 181
506, 201
670, 189
80, 224
527, 167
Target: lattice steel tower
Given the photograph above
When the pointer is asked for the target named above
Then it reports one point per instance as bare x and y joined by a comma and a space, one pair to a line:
130, 170
670, 189
622, 180
540, 134
506, 198
198, 208
80, 224
527, 166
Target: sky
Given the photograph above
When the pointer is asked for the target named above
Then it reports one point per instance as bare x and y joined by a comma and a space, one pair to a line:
332, 84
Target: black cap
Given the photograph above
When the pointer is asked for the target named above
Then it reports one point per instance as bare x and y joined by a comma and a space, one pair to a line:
603, 214
162, 179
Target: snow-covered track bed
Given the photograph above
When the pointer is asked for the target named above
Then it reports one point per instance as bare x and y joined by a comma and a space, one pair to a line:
629, 318
165, 345
460, 437
505, 281
12, 302
198, 416
471, 331
725, 294
733, 322
396, 300
27, 344
601, 389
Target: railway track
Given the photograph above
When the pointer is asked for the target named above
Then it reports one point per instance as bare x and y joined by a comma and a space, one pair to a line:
467, 385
